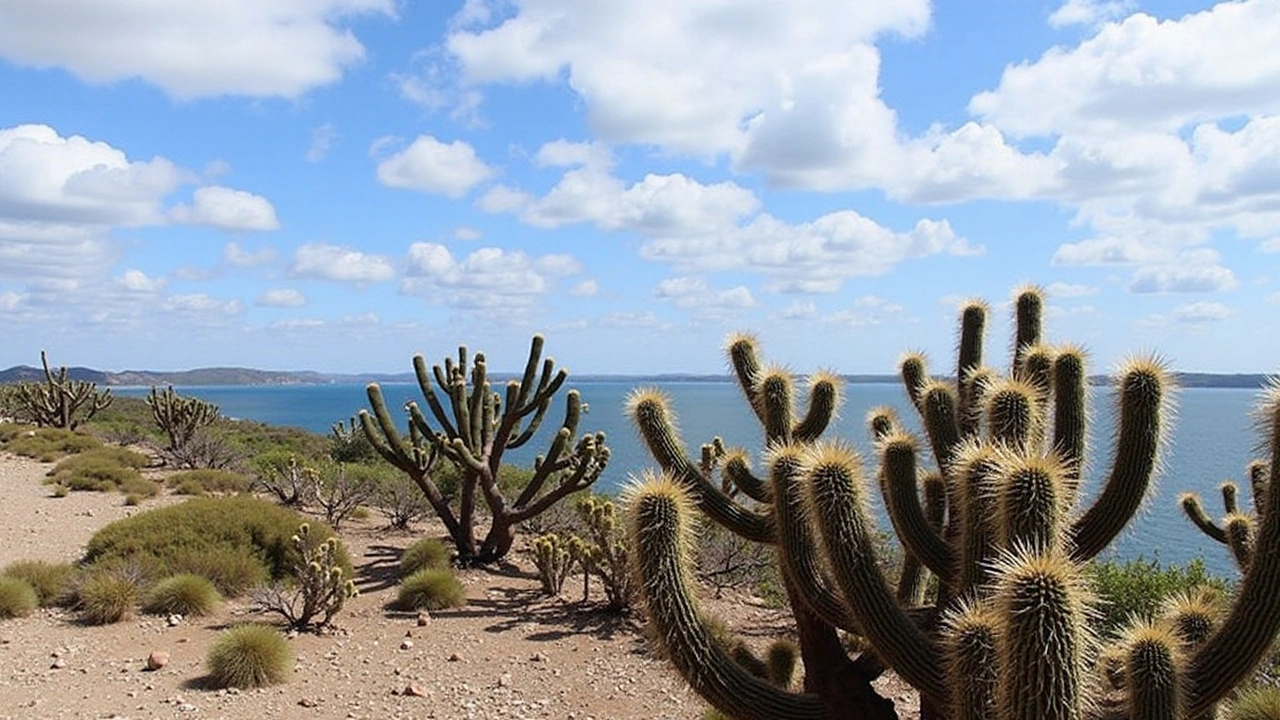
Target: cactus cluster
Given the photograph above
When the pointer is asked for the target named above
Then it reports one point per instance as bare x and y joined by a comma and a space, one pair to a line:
471, 426
995, 518
60, 401
180, 417
319, 587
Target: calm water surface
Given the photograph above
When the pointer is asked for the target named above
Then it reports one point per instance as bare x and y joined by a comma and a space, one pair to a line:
1212, 439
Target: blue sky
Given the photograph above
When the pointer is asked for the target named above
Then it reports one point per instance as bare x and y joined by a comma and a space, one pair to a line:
339, 184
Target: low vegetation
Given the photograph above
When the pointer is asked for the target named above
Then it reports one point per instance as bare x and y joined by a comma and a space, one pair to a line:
249, 656
185, 594
17, 598
430, 589
51, 581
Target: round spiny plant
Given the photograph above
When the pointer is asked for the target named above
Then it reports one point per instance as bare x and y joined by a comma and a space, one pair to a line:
183, 594
17, 598
107, 597
431, 589
423, 554
249, 656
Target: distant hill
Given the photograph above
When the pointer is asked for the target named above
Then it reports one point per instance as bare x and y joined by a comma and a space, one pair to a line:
249, 376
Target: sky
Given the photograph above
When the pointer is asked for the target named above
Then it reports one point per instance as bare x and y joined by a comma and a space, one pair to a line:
336, 185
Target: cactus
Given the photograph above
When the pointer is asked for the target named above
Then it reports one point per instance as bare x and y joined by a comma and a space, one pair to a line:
554, 557
1008, 635
603, 552
473, 428
60, 401
319, 587
180, 417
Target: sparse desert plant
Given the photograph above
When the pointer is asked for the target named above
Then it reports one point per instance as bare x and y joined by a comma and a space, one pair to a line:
207, 449
338, 489
17, 598
399, 501
183, 594
348, 444
427, 553
59, 401
431, 589
249, 656
603, 551
317, 588
51, 581
281, 474
204, 481
46, 444
107, 597
555, 557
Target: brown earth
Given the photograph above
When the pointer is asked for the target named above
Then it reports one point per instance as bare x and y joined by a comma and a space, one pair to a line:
509, 653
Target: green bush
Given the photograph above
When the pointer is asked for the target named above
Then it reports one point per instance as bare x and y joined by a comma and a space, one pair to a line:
184, 594
425, 554
431, 589
236, 541
103, 469
107, 597
127, 421
1258, 703
1136, 588
17, 598
249, 656
51, 581
45, 444
204, 481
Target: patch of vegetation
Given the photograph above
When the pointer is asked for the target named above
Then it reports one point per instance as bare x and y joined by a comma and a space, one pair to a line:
183, 594
17, 598
44, 444
318, 587
104, 469
1136, 588
431, 589
127, 421
205, 481
236, 542
51, 581
1258, 703
249, 656
107, 597
425, 554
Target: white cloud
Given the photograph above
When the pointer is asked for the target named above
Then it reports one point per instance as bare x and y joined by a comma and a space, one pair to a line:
586, 288
10, 300
138, 282
463, 232
227, 209
190, 48
1202, 312
1061, 290
488, 279
322, 139
1182, 279
693, 293
1089, 12
281, 297
431, 166
331, 262
45, 177
233, 254
202, 304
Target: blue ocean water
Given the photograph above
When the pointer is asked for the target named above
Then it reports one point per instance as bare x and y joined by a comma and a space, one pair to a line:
1212, 439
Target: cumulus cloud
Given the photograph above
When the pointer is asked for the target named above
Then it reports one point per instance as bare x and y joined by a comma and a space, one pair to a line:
191, 48
227, 209
1089, 12
488, 279
1182, 279
1062, 290
321, 261
138, 282
1201, 312
281, 297
202, 305
236, 255
586, 288
692, 293
431, 166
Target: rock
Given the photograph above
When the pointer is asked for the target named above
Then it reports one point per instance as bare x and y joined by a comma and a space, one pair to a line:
157, 659
58, 663
406, 644
455, 658
308, 703
424, 618
174, 620
414, 690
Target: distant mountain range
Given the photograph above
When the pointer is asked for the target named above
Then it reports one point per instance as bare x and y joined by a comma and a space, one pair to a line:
249, 376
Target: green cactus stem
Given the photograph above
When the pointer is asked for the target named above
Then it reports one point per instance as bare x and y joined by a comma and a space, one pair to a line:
969, 641
60, 401
1153, 671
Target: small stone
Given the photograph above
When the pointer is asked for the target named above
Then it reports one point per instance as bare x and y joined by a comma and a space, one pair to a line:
455, 658
308, 703
424, 618
412, 690
504, 680
406, 644
174, 620
157, 659
538, 657
58, 663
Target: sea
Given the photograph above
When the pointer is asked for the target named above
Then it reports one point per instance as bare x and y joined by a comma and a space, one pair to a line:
1212, 439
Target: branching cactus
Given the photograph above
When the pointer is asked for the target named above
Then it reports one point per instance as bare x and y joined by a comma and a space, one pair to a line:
60, 401
180, 417
604, 551
555, 557
1008, 635
318, 589
469, 425
1237, 528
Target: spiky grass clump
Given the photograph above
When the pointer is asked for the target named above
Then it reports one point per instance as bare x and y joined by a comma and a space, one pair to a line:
51, 581
425, 554
17, 598
107, 597
184, 594
45, 444
431, 589
1257, 703
249, 656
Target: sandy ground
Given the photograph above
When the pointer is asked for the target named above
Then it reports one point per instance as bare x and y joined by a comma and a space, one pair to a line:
510, 653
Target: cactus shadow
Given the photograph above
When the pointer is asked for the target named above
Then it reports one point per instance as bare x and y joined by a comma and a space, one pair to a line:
381, 569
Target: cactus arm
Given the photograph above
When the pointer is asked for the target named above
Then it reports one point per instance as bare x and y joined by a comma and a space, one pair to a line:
914, 372
429, 394
1258, 473
912, 580
1247, 632
383, 436
1153, 673
1239, 531
902, 500
938, 410
1028, 313
882, 421
835, 497
973, 322
744, 358
551, 461
1030, 502
1069, 412
970, 645
1144, 386
530, 373
824, 401
1229, 500
649, 410
1194, 511
1012, 413
660, 513
774, 394
480, 394
974, 482
738, 474
589, 460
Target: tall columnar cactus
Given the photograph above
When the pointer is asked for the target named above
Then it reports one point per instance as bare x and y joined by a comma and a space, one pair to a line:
1008, 635
179, 416
60, 401
470, 426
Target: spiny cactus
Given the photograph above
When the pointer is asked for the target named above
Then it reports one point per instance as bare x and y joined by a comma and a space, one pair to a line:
180, 417
1008, 635
60, 401
603, 552
1237, 528
555, 557
473, 428
319, 587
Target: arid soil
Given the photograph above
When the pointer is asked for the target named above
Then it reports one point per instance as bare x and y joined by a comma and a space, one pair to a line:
509, 653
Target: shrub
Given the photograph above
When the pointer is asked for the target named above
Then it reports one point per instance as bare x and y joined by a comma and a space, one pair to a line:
1258, 703
339, 490
51, 581
249, 656
126, 422
233, 541
46, 444
17, 598
206, 480
425, 554
431, 589
107, 597
184, 594
1136, 588
317, 588
399, 500
279, 473
103, 469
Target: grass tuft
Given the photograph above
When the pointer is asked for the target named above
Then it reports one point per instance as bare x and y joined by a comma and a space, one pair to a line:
428, 553
184, 594
51, 581
17, 598
431, 589
249, 656
107, 597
